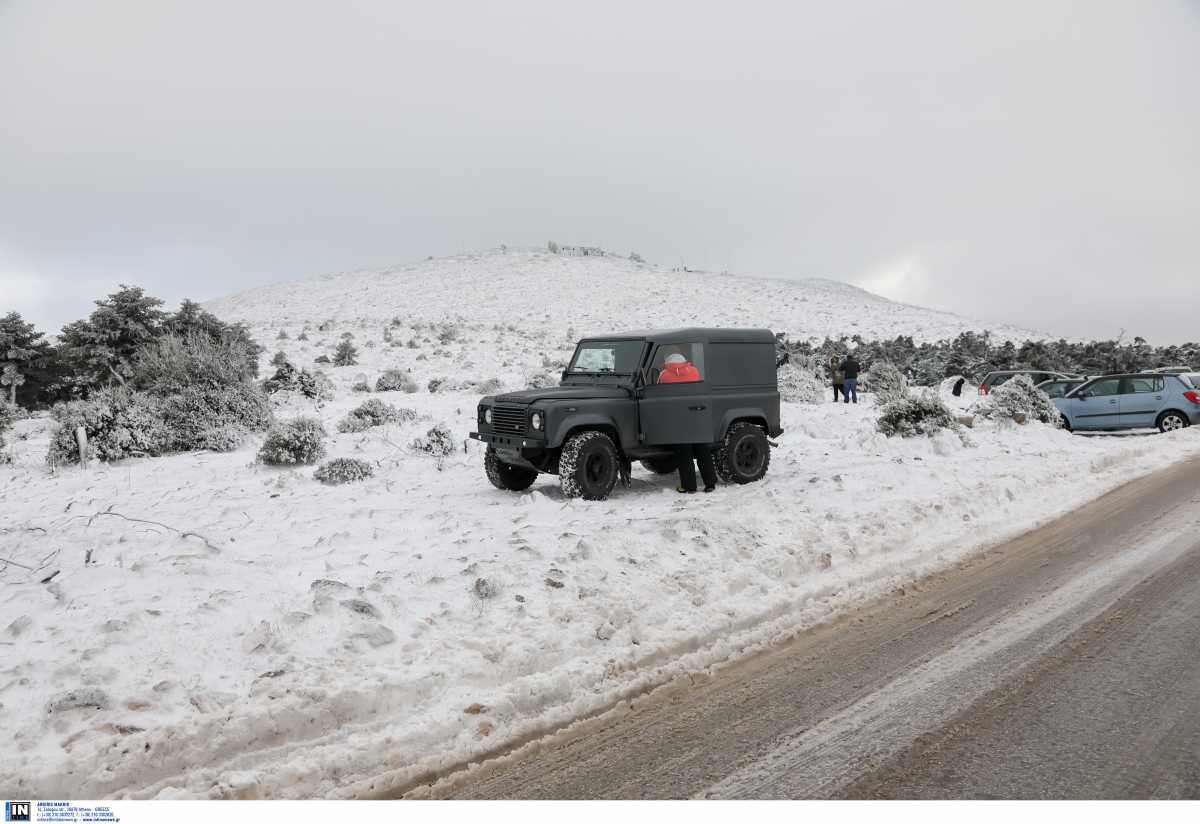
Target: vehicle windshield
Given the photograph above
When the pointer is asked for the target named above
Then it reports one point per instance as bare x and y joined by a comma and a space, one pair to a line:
618, 357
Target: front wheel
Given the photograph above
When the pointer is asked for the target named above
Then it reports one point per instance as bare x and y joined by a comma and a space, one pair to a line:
1171, 421
507, 476
744, 455
589, 466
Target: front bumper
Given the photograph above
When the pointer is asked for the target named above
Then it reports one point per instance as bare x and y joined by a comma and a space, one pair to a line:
509, 441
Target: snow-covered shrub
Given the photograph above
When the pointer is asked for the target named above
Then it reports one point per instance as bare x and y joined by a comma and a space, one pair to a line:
393, 380
315, 385
174, 362
886, 381
360, 386
343, 471
302, 336
800, 381
921, 414
438, 441
374, 413
489, 387
321, 359
220, 439
199, 418
345, 354
1018, 396
119, 424
448, 332
297, 441
434, 385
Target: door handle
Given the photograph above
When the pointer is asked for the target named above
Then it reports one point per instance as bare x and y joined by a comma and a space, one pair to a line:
700, 408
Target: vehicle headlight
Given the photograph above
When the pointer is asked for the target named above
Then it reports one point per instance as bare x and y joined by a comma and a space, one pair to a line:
536, 421
487, 416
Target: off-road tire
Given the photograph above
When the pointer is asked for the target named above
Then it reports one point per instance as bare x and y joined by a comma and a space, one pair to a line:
589, 466
1171, 421
507, 476
744, 456
662, 466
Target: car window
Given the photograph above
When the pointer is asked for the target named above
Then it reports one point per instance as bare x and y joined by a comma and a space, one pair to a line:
1108, 386
618, 357
679, 363
998, 379
1143, 385
1191, 380
1056, 389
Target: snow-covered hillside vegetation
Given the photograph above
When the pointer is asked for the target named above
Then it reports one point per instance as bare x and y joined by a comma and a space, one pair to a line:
588, 295
203, 625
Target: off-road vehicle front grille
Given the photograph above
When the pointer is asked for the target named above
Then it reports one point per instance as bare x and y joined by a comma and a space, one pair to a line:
509, 419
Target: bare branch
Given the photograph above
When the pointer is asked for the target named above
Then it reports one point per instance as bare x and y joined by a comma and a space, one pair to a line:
181, 532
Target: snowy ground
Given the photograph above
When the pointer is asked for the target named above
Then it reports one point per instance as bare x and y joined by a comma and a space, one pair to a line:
340, 641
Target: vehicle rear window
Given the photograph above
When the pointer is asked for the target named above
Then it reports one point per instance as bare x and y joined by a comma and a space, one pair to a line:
1192, 380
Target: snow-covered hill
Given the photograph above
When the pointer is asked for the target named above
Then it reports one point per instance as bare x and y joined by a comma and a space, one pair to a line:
202, 625
592, 295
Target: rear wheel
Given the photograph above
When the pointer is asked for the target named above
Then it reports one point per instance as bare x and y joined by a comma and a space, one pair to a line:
589, 466
661, 466
507, 476
744, 455
1172, 421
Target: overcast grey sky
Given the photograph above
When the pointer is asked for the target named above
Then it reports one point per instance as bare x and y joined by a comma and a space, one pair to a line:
1032, 162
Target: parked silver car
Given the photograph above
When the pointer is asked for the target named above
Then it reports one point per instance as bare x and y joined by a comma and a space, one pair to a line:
1136, 401
999, 377
1058, 387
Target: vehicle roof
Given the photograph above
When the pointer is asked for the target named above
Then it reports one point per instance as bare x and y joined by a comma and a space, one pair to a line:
1027, 371
1133, 375
691, 334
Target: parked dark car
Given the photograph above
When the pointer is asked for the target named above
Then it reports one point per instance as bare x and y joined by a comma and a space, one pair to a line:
998, 377
1137, 401
631, 396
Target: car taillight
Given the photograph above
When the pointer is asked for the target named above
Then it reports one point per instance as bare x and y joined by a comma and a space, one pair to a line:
1193, 396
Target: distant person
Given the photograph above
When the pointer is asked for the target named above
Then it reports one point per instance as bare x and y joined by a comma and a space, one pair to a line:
678, 369
835, 374
850, 376
688, 455
958, 385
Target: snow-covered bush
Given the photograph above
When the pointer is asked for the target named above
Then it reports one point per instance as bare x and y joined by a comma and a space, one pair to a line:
345, 354
800, 381
886, 381
8, 416
1018, 396
435, 384
920, 414
198, 418
343, 471
438, 441
374, 413
118, 423
394, 380
489, 387
541, 380
360, 386
297, 441
173, 362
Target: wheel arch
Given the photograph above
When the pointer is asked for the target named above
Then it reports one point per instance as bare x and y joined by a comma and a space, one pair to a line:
743, 415
1187, 421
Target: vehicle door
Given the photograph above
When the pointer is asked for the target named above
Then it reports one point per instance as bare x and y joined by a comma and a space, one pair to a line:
1097, 405
675, 403
1141, 399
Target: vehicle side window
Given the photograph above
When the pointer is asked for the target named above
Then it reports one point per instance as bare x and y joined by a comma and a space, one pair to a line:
1055, 390
1109, 386
1144, 385
678, 363
998, 380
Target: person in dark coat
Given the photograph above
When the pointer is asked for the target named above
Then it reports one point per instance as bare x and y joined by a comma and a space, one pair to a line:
690, 454
835, 375
850, 372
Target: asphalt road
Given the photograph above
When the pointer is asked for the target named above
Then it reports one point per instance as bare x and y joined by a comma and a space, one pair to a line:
1063, 664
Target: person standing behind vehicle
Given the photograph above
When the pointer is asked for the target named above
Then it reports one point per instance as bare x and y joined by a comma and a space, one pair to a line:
850, 375
835, 374
678, 369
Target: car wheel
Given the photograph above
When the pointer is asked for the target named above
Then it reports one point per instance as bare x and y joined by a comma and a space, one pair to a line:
744, 455
507, 476
1171, 421
661, 466
1064, 423
589, 466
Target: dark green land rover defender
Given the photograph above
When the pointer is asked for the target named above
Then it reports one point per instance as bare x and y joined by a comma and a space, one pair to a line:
631, 396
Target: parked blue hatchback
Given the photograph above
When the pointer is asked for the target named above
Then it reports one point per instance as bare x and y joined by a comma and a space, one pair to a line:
1137, 401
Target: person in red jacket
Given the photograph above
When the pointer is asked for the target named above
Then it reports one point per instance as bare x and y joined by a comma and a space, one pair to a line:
678, 369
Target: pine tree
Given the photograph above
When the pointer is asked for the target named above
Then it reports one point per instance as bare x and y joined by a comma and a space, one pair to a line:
102, 347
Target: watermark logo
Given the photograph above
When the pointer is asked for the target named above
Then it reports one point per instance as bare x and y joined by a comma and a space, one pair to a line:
16, 811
